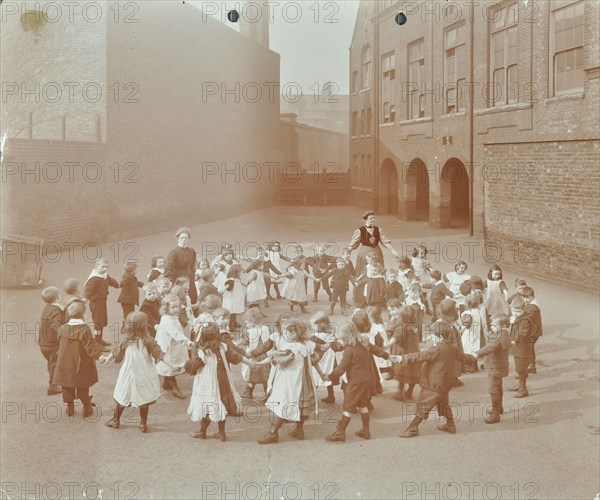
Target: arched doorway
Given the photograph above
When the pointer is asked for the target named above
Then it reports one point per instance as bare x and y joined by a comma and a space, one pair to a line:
388, 188
417, 179
455, 210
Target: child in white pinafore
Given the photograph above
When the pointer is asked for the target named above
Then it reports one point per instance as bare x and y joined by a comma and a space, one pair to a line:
213, 394
234, 294
254, 335
323, 337
496, 296
474, 330
256, 292
173, 342
137, 384
293, 394
376, 333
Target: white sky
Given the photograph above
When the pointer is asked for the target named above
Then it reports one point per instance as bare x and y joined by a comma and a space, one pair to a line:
312, 50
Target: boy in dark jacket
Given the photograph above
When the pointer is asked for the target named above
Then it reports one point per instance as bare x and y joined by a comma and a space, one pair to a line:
438, 373
496, 353
52, 318
340, 279
523, 335
439, 291
96, 291
129, 296
531, 305
393, 288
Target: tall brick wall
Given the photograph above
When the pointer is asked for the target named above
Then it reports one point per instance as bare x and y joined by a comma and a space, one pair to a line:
545, 218
185, 140
167, 156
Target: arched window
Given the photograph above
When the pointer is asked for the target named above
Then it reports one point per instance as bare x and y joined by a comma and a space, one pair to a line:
366, 67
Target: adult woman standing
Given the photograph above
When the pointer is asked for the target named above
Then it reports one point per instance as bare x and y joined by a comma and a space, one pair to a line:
367, 239
181, 261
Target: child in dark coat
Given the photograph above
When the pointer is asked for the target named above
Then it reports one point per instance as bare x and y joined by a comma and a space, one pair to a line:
356, 364
76, 364
532, 305
405, 340
523, 335
393, 289
96, 291
151, 307
438, 372
496, 352
439, 291
340, 279
129, 296
52, 318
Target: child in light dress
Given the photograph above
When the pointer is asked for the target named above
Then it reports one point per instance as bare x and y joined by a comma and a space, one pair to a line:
137, 384
213, 394
173, 342
323, 337
254, 334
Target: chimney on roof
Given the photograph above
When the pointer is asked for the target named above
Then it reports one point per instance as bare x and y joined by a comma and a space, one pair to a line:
254, 22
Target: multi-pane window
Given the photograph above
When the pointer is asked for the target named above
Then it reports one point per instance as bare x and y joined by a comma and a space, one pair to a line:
454, 68
567, 64
366, 67
355, 177
388, 64
355, 82
416, 80
363, 179
354, 123
388, 77
369, 173
503, 54
386, 112
363, 122
368, 122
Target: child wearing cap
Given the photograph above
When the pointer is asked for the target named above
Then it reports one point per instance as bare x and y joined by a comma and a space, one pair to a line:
52, 318
496, 353
522, 335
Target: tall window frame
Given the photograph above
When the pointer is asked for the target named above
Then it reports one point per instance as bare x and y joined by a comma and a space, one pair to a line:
567, 26
416, 78
366, 67
455, 67
503, 77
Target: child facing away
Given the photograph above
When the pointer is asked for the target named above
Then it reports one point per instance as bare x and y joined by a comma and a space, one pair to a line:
52, 318
355, 363
157, 268
437, 372
496, 296
405, 340
71, 292
520, 284
323, 337
130, 295
213, 394
96, 292
151, 307
293, 394
173, 342
75, 368
495, 352
137, 384
439, 291
377, 335
254, 334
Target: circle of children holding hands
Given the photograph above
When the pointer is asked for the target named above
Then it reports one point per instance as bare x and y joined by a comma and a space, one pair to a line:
188, 323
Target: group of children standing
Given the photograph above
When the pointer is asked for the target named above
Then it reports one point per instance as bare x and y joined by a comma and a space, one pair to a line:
169, 335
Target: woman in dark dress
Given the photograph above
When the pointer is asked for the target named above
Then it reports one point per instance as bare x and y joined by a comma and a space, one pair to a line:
181, 261
367, 239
